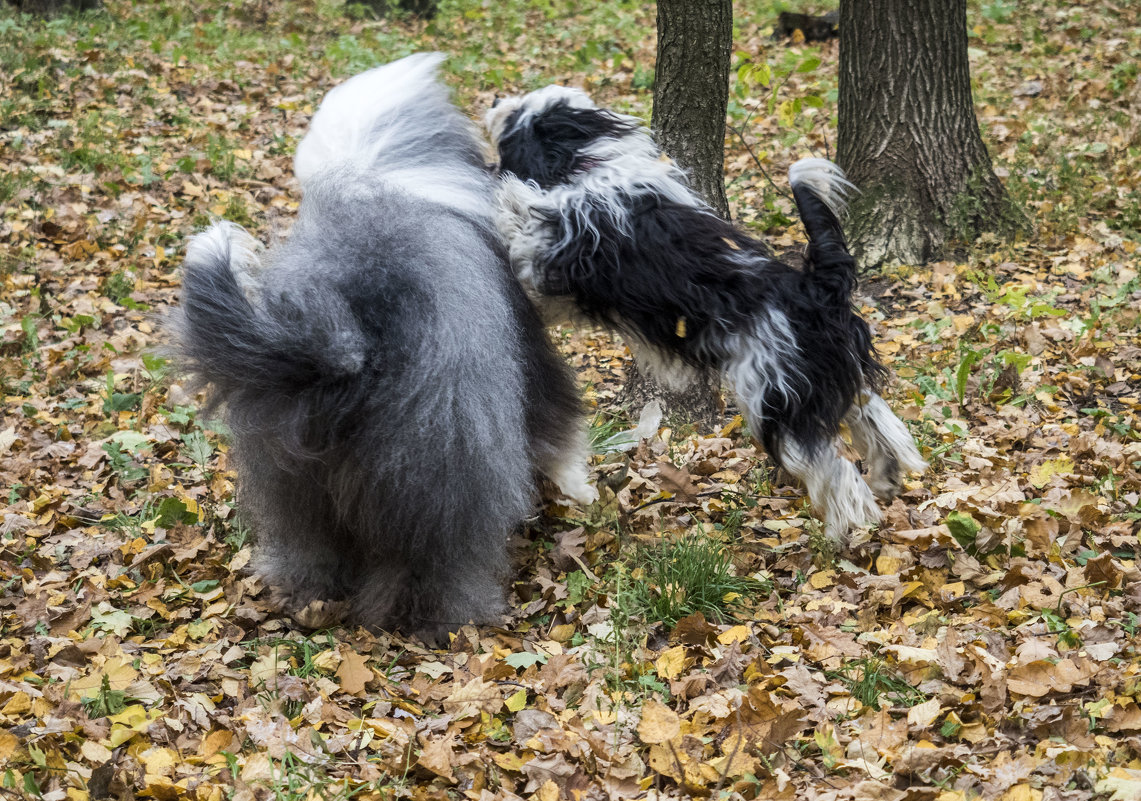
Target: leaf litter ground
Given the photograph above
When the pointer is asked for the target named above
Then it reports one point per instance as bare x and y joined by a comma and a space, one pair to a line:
981, 644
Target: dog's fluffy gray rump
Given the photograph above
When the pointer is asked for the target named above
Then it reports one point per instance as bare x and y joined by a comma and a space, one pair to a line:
390, 390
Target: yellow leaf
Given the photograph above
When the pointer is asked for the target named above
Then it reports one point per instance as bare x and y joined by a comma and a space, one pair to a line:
671, 663
161, 787
732, 426
130, 722
735, 761
266, 666
215, 741
509, 761
1041, 474
1022, 792
921, 716
735, 634
604, 716
517, 701
8, 743
822, 580
158, 761
17, 705
665, 760
1122, 782
659, 723
327, 661
786, 113
562, 632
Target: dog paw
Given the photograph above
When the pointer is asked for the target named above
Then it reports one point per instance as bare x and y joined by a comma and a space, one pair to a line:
583, 494
886, 480
320, 614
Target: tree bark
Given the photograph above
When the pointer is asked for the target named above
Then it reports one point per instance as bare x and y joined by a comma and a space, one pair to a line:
691, 90
908, 136
691, 95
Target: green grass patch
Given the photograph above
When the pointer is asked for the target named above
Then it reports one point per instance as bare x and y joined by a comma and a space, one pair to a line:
675, 579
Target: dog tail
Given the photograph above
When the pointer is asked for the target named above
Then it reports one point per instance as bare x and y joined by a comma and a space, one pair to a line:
821, 193
362, 118
239, 337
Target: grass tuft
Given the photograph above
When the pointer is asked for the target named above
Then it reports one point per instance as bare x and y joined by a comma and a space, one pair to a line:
689, 575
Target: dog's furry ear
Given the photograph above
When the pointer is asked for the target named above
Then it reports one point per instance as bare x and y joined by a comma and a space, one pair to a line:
547, 147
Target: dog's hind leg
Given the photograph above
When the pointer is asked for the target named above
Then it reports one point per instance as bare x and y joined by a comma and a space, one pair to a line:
885, 444
838, 492
299, 546
437, 593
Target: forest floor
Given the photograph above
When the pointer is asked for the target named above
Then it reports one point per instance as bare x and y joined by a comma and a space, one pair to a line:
691, 635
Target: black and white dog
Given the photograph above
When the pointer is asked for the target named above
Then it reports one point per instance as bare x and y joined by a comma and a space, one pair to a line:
597, 222
391, 391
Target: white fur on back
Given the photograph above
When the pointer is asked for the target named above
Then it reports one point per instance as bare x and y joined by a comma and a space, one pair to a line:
344, 129
381, 127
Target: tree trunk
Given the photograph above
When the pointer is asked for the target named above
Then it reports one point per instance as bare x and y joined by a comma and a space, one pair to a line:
691, 94
908, 134
699, 404
691, 90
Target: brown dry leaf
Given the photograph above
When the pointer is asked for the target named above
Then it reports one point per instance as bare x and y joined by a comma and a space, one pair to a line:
1042, 677
694, 630
354, 673
474, 697
436, 756
1104, 571
768, 723
678, 481
659, 723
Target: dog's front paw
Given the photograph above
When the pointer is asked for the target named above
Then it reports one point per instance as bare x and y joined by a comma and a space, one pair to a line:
886, 479
583, 494
320, 614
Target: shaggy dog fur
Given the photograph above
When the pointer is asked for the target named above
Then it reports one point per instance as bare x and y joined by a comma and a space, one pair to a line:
391, 391
597, 222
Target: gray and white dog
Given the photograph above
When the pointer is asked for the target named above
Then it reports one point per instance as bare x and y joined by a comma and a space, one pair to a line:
393, 396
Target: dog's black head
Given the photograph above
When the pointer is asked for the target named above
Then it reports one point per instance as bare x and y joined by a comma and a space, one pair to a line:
545, 136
